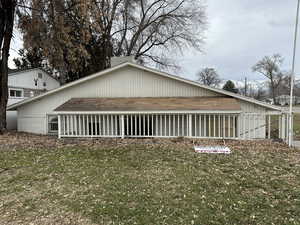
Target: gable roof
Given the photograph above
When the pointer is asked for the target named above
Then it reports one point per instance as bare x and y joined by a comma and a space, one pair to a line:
157, 72
12, 72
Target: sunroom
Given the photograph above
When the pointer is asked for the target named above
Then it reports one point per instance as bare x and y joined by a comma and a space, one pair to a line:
164, 117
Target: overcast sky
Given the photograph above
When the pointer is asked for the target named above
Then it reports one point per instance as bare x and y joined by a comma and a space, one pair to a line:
240, 32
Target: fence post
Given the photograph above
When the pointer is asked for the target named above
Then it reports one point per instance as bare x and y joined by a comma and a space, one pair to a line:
238, 127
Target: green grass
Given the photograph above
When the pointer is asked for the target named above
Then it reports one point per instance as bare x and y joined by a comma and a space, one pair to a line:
297, 126
150, 184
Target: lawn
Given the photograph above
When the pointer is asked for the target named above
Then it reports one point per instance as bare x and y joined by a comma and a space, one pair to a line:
297, 126
46, 181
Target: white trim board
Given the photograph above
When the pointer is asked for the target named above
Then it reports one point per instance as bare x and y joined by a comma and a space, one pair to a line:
220, 91
142, 112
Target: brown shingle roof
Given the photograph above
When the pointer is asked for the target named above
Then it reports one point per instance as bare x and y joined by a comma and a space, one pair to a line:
150, 104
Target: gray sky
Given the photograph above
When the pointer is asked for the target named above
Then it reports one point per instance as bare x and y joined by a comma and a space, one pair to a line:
240, 32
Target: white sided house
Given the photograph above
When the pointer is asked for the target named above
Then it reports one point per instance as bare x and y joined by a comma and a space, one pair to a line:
24, 84
130, 100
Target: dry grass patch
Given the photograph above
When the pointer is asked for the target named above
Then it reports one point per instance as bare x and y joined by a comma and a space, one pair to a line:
110, 181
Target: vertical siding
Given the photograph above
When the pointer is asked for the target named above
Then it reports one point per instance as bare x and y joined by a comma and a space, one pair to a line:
125, 82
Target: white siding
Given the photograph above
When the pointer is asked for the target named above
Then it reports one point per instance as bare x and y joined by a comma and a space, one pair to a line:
25, 79
125, 82
11, 120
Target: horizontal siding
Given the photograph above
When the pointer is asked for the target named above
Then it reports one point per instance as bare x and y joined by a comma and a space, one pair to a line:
26, 79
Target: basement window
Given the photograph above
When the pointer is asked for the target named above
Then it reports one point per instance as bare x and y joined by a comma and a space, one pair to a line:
52, 124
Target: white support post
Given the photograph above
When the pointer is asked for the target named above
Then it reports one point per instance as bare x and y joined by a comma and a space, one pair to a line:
238, 127
59, 126
182, 125
249, 126
205, 125
135, 125
100, 124
200, 126
209, 126
174, 126
156, 125
152, 125
244, 126
169, 129
219, 126
143, 125
279, 127
148, 121
287, 128
140, 125
178, 125
229, 126
122, 126
269, 126
283, 134
189, 127
255, 122
214, 126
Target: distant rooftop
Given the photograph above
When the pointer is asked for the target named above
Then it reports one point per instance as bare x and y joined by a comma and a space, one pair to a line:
10, 71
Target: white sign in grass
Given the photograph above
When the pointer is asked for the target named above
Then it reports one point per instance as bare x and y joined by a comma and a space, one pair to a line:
212, 149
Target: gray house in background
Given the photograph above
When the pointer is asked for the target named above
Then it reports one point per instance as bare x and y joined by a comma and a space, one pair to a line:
23, 84
285, 100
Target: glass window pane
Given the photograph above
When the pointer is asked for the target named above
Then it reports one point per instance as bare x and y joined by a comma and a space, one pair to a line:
18, 93
52, 124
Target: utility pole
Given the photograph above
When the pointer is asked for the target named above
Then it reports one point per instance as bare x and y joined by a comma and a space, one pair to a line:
292, 79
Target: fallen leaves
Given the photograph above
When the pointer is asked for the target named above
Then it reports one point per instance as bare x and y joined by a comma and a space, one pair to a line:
146, 181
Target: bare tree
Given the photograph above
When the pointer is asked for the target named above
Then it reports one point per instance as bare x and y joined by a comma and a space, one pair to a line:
209, 77
80, 36
269, 67
258, 91
7, 16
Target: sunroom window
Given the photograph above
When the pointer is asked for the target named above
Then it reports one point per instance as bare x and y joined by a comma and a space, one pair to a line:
52, 124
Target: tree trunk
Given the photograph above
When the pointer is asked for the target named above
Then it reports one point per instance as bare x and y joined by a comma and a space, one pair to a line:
273, 91
7, 15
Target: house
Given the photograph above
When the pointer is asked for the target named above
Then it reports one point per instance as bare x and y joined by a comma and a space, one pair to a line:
285, 100
23, 84
130, 100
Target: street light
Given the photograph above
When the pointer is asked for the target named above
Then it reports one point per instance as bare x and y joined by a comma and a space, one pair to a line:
292, 79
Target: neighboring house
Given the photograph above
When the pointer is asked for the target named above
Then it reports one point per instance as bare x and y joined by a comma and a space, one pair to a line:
23, 84
285, 100
130, 100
